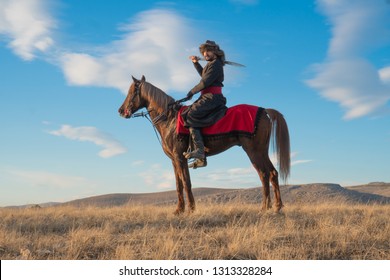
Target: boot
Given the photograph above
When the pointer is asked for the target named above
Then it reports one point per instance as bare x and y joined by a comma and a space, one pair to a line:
198, 152
198, 163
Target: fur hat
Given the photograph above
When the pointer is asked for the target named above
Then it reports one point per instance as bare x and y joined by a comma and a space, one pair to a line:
212, 46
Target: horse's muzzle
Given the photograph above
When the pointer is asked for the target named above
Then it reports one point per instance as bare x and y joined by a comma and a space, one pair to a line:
125, 113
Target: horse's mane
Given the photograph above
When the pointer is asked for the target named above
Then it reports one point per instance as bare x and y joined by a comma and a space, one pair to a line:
157, 96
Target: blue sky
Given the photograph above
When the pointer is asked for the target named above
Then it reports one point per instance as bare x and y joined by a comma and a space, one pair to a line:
65, 67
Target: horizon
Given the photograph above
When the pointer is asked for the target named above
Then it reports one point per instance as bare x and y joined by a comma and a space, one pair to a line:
55, 203
67, 65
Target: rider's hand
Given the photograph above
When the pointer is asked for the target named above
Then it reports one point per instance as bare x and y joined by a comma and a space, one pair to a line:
194, 58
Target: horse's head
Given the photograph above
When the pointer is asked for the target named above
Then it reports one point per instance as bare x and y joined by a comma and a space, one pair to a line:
133, 101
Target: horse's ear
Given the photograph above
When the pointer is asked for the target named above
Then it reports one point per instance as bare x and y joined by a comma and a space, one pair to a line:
134, 79
143, 78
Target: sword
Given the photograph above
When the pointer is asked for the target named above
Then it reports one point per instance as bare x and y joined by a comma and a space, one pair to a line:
226, 62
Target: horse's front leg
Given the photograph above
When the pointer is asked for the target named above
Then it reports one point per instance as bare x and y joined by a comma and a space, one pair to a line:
180, 202
179, 190
183, 181
188, 186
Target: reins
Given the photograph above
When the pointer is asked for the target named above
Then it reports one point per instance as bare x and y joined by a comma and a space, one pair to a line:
141, 114
153, 122
159, 118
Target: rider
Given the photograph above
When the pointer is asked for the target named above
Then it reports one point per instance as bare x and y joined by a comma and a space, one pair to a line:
211, 105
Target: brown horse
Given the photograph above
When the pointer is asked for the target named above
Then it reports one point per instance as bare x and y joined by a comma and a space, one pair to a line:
142, 94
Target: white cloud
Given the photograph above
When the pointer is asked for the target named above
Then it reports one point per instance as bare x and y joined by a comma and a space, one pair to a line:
137, 163
111, 146
164, 179
347, 77
28, 26
384, 75
237, 177
274, 159
155, 44
49, 179
231, 175
300, 161
157, 176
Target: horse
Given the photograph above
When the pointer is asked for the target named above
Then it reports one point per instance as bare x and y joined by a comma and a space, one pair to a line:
270, 125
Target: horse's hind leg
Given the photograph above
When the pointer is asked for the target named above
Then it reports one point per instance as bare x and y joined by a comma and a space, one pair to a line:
267, 173
264, 177
275, 184
272, 176
263, 172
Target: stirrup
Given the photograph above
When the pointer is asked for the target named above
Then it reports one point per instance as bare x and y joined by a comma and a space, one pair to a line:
194, 154
197, 163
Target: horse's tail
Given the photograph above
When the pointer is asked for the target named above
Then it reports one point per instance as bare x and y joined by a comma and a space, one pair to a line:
280, 142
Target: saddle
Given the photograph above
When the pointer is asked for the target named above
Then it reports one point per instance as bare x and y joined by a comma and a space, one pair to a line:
240, 120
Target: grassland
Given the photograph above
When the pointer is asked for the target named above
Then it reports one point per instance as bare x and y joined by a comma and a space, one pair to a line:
213, 231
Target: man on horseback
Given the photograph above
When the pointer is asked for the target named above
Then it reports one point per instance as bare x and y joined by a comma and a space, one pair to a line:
211, 105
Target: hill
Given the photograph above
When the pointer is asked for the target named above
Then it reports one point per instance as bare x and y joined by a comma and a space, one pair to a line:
308, 193
376, 192
379, 188
156, 198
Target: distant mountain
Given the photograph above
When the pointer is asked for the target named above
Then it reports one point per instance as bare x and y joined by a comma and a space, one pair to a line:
308, 193
379, 188
41, 205
156, 198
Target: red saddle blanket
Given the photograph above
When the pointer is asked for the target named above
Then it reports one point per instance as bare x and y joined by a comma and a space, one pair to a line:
238, 119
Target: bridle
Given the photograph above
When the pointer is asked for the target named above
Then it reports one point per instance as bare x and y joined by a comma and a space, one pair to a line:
137, 93
156, 120
146, 114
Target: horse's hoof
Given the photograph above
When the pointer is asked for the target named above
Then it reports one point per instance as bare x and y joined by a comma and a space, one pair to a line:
178, 212
278, 207
191, 210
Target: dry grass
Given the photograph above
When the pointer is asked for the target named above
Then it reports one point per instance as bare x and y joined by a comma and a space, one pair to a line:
214, 231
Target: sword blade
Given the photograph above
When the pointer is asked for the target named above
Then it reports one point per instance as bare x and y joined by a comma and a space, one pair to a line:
227, 62
234, 64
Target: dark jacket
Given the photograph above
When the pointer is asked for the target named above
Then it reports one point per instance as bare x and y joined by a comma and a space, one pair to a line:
209, 108
212, 75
